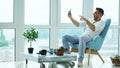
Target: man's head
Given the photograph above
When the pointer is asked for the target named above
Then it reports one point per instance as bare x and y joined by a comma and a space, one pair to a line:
99, 12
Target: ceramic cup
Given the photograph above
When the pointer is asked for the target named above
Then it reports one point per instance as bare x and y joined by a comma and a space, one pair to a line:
51, 51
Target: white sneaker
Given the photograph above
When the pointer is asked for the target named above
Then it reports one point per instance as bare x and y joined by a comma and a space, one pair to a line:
80, 64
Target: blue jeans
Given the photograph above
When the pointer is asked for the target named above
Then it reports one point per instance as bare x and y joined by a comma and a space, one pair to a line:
67, 40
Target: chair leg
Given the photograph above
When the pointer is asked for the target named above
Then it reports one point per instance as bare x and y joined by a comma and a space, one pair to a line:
89, 52
100, 57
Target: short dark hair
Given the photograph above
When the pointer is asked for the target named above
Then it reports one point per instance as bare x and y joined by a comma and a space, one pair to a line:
100, 10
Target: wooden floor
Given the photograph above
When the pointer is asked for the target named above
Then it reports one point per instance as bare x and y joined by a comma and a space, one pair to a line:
94, 63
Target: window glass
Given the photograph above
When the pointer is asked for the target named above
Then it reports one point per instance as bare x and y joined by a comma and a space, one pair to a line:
6, 11
111, 8
37, 12
7, 39
110, 45
74, 5
41, 43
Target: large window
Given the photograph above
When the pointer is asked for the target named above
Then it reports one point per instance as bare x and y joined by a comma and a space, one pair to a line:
7, 35
76, 10
37, 12
6, 11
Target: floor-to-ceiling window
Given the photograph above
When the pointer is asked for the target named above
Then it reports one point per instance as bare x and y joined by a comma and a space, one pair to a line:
7, 31
66, 26
37, 16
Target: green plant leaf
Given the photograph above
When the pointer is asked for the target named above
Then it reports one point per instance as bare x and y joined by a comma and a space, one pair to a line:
31, 34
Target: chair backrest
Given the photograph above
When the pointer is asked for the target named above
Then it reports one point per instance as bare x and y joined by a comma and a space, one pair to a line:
98, 41
107, 24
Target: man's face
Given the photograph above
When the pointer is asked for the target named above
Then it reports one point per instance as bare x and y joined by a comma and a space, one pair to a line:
97, 15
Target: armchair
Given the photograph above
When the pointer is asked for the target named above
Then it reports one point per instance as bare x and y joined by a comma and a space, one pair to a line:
95, 45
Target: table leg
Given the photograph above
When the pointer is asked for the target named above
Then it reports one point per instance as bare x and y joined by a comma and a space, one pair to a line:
52, 65
26, 61
42, 65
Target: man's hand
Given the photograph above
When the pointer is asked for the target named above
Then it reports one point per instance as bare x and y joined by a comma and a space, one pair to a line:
72, 19
82, 18
69, 13
90, 25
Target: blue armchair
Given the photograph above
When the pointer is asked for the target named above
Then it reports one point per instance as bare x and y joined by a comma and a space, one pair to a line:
95, 45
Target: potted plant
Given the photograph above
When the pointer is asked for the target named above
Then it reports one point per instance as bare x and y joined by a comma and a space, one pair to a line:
60, 51
31, 35
115, 60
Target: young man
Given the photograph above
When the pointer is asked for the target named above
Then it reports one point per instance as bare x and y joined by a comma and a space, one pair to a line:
93, 28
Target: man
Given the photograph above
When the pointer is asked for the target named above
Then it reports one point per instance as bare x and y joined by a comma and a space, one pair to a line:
93, 28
